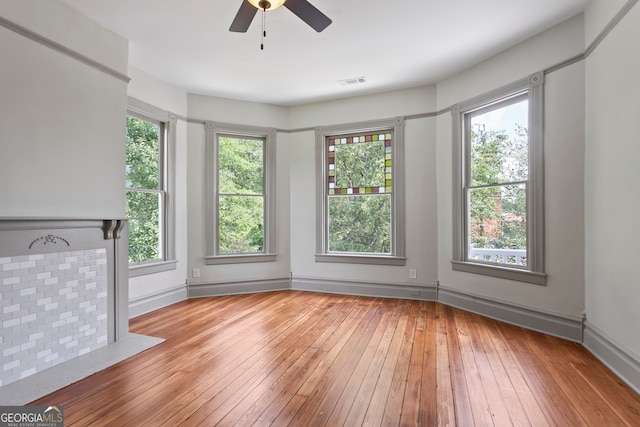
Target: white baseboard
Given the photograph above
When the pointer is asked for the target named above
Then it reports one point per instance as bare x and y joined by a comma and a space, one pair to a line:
550, 324
149, 303
198, 290
347, 287
613, 356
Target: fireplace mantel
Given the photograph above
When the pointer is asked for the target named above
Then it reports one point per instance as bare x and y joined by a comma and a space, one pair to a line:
64, 290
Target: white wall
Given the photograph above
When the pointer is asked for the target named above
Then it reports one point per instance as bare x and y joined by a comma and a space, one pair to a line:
611, 180
564, 146
147, 88
598, 15
61, 127
242, 113
420, 175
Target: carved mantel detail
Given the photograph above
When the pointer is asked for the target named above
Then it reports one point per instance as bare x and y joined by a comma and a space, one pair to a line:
113, 228
49, 239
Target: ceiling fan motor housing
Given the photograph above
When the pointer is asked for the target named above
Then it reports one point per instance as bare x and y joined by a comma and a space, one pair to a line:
301, 8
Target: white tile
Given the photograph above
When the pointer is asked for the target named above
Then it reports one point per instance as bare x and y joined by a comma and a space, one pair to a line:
28, 291
26, 346
11, 280
11, 322
11, 365
11, 266
52, 306
11, 308
51, 357
65, 340
27, 319
36, 336
10, 351
43, 353
28, 373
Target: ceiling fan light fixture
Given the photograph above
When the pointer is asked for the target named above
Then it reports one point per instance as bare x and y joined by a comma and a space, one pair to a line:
266, 4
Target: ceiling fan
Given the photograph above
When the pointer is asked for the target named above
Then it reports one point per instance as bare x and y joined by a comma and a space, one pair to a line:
302, 8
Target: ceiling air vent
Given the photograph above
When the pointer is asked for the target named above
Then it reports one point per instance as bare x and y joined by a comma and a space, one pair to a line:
352, 81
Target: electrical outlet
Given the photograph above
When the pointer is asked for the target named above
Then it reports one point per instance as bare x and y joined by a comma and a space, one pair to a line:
195, 273
413, 273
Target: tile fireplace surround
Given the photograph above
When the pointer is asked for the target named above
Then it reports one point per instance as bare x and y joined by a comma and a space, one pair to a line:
64, 294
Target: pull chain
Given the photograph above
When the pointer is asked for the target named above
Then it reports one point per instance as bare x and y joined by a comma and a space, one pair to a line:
264, 31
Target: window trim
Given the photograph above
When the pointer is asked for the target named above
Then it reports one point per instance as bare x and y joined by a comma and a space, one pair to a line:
397, 256
168, 122
212, 131
535, 273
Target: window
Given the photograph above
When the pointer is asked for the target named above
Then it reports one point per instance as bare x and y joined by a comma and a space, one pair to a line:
241, 177
150, 132
360, 193
498, 183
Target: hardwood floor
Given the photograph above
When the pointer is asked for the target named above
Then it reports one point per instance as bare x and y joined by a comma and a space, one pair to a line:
298, 358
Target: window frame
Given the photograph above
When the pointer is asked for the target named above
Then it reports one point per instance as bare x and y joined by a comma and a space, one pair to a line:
167, 122
213, 131
397, 257
534, 273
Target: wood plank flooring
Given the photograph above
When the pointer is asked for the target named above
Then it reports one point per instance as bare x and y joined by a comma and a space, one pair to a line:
299, 358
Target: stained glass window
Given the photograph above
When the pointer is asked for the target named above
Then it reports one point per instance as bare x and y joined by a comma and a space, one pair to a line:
360, 164
359, 185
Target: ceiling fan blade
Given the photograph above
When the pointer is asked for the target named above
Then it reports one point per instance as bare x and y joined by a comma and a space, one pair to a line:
244, 17
308, 13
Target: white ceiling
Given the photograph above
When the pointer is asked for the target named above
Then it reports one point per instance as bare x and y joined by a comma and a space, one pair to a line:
400, 44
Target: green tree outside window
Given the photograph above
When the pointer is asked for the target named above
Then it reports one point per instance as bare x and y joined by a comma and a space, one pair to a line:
144, 196
240, 195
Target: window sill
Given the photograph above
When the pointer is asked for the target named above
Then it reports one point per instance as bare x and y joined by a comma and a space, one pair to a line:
151, 268
362, 259
239, 259
500, 272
